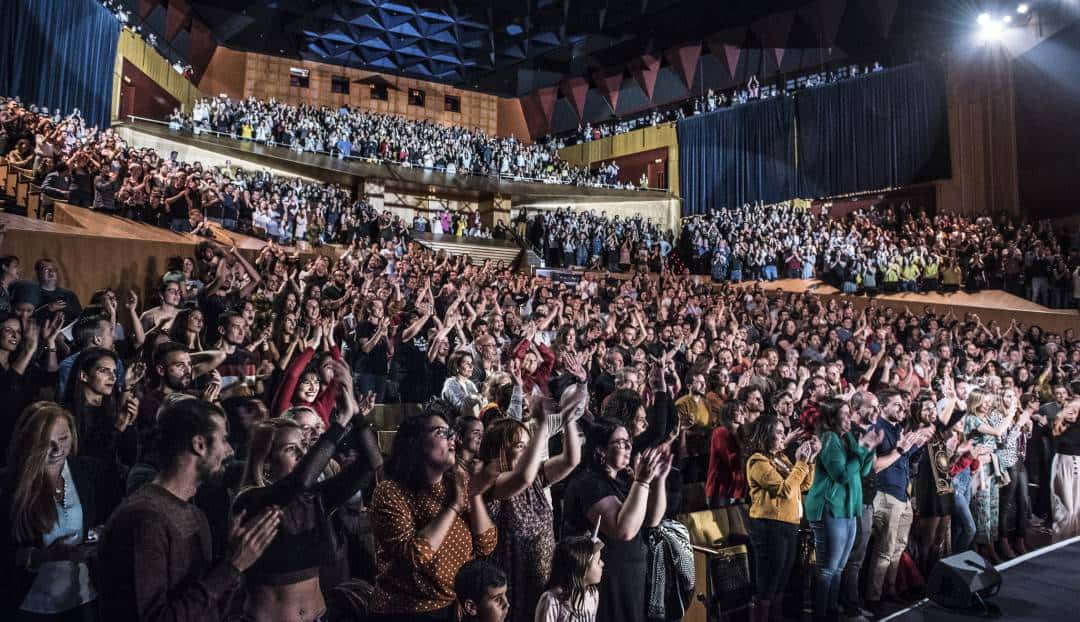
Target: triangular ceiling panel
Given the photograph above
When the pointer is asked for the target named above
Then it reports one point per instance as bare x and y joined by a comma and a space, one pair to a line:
881, 13
575, 89
684, 59
773, 30
406, 29
645, 69
609, 85
824, 16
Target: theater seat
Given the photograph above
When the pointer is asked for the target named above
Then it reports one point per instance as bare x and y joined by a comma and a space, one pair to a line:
718, 538
718, 528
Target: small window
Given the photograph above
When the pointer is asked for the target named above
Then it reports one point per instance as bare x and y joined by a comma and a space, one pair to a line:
339, 84
452, 104
379, 92
299, 77
416, 97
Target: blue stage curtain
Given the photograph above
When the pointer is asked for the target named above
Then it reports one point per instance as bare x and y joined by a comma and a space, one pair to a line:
883, 130
59, 54
737, 155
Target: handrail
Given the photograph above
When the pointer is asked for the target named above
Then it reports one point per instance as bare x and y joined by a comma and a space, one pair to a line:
331, 154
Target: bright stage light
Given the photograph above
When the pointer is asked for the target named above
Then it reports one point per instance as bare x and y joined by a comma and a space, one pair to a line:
984, 19
1007, 19
1023, 8
991, 31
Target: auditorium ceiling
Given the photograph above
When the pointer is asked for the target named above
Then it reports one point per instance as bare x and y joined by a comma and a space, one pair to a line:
513, 47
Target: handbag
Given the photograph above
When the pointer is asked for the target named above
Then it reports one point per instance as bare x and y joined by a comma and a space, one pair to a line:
670, 563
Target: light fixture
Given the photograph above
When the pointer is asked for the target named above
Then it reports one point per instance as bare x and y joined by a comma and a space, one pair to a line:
991, 31
983, 19
1023, 8
1007, 19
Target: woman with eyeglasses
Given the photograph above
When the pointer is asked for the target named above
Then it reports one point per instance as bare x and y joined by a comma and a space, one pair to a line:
104, 417
459, 390
622, 497
52, 501
429, 519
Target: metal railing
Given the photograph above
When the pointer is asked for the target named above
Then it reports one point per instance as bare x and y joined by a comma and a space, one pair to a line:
376, 160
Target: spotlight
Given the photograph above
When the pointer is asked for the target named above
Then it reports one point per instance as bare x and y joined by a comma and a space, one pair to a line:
984, 19
991, 31
1023, 8
1007, 19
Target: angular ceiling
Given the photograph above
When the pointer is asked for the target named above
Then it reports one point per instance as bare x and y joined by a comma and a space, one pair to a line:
513, 47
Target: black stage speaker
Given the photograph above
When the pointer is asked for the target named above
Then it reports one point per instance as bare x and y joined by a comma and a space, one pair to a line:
962, 581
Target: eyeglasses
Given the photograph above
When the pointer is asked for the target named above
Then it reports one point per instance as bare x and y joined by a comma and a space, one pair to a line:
444, 432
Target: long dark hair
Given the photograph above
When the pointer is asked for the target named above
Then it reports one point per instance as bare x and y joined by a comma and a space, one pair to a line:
597, 438
405, 465
830, 416
572, 559
75, 400
760, 438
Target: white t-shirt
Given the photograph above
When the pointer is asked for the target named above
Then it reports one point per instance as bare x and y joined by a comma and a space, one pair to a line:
551, 609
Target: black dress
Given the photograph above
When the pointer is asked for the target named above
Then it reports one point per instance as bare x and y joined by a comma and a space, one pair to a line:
623, 588
934, 494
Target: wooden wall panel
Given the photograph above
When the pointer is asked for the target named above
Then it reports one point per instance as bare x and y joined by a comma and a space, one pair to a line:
645, 139
266, 77
225, 73
146, 59
982, 134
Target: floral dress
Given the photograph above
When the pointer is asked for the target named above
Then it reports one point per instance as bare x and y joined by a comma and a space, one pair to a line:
984, 503
526, 546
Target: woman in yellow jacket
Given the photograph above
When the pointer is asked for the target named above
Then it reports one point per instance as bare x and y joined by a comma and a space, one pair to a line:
776, 490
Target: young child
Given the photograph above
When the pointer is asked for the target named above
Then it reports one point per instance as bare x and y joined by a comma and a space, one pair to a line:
572, 594
481, 592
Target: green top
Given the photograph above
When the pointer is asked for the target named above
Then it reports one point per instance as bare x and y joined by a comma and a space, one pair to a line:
838, 485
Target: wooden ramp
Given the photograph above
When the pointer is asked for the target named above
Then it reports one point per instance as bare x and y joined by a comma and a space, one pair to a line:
991, 304
93, 250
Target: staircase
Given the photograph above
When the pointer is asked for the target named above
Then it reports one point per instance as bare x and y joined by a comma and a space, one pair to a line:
478, 250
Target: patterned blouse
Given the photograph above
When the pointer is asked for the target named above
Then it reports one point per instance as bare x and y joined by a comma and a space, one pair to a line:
413, 577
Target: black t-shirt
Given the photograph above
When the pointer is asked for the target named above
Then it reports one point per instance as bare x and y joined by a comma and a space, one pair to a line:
178, 209
73, 308
375, 361
1069, 442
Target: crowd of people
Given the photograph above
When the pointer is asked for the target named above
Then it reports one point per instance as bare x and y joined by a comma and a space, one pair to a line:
350, 132
567, 237
710, 101
867, 251
886, 249
210, 453
95, 168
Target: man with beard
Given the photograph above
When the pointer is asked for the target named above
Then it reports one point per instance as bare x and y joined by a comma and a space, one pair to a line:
172, 367
155, 553
692, 409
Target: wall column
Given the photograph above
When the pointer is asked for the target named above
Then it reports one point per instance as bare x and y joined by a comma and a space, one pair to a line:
493, 209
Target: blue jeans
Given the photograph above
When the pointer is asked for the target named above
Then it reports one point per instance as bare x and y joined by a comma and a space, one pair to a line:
769, 273
963, 523
833, 539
